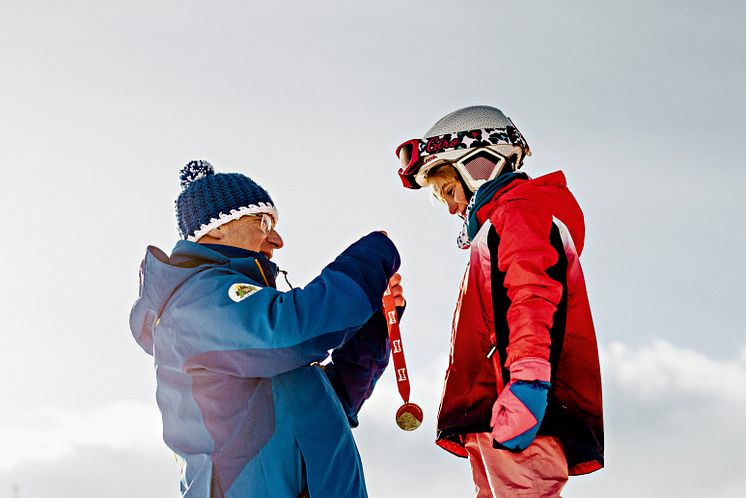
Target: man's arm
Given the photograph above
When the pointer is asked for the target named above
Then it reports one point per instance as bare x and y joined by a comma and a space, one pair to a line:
359, 363
271, 332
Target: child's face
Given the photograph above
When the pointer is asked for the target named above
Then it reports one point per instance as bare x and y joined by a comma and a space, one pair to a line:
451, 192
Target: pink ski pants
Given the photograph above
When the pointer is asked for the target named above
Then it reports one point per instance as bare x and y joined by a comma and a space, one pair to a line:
539, 471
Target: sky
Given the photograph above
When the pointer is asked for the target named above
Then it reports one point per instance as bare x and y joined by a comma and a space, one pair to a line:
640, 103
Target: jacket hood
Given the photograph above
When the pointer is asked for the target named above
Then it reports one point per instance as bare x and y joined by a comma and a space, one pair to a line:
551, 194
161, 276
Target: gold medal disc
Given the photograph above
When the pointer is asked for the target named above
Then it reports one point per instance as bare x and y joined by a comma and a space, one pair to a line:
409, 417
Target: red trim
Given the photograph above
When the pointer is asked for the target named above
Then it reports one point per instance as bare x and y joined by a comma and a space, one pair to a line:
452, 447
407, 173
585, 468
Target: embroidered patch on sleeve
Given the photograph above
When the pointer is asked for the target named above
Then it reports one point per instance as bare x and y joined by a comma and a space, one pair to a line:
239, 292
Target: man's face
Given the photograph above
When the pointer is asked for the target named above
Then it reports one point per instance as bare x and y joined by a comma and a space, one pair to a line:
247, 232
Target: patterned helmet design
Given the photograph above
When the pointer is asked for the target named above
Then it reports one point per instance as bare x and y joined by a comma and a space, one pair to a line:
478, 141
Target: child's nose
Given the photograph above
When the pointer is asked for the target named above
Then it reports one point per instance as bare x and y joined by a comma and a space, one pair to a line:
452, 207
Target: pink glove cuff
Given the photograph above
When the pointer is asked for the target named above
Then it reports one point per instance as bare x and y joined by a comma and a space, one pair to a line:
530, 369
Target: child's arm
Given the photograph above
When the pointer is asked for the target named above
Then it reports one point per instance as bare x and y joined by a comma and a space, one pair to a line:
525, 255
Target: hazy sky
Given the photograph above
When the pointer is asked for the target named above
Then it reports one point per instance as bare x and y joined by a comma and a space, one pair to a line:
640, 103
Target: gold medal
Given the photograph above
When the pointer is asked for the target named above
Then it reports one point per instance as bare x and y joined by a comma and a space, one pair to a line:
409, 417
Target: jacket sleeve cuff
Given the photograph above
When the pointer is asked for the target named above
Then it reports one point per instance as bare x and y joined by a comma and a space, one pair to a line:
370, 262
530, 369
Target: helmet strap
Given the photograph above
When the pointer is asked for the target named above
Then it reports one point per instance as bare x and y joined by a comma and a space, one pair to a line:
510, 165
468, 193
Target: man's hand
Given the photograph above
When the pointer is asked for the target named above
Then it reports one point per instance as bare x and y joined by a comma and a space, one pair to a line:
396, 290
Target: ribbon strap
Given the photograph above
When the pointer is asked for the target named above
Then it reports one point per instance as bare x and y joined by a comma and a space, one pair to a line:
397, 350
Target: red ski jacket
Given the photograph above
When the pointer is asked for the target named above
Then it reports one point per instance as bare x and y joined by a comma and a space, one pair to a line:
523, 295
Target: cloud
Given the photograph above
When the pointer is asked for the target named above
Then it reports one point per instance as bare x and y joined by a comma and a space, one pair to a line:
661, 369
96, 472
50, 434
673, 420
673, 428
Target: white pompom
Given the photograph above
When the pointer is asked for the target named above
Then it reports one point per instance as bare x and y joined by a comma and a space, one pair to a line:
194, 170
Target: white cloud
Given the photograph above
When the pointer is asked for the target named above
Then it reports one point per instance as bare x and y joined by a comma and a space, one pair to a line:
97, 472
651, 434
653, 430
663, 369
668, 408
51, 433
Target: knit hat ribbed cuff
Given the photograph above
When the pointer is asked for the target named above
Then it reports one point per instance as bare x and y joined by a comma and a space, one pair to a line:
233, 215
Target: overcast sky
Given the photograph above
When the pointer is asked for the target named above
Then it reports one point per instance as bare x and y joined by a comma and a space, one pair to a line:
640, 103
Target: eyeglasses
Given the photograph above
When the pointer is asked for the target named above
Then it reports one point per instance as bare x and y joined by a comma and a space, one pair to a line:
414, 153
266, 221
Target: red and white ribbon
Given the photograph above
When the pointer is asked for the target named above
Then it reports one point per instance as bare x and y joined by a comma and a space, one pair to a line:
397, 349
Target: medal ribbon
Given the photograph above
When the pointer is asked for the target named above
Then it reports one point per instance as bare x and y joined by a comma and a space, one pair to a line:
397, 350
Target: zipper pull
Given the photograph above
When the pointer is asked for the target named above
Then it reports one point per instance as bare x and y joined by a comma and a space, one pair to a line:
491, 352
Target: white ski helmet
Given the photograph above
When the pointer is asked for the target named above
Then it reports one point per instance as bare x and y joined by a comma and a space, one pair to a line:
479, 141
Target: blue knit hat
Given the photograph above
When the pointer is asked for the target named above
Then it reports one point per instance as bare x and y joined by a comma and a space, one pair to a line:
209, 200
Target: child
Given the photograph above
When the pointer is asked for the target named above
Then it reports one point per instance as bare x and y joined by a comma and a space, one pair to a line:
522, 393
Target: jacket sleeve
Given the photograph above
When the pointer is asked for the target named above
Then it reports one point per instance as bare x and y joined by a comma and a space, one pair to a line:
359, 363
270, 332
525, 254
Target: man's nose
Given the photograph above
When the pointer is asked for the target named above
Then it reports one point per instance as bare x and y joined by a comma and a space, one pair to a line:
275, 239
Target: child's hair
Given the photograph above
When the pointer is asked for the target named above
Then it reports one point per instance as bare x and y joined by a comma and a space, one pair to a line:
445, 171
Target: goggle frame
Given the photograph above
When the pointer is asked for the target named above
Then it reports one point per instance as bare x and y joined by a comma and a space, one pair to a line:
413, 153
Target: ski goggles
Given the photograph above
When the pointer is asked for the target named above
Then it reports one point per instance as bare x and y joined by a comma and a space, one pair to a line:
475, 166
453, 147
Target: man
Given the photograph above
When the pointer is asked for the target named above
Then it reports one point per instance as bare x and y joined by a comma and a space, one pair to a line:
522, 396
245, 404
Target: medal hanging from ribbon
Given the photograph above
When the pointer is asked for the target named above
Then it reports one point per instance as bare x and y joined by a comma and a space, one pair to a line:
409, 415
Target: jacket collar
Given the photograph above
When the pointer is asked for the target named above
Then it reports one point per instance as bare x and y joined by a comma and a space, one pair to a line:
252, 264
484, 195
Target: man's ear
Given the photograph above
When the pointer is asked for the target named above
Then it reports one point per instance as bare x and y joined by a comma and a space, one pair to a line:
216, 234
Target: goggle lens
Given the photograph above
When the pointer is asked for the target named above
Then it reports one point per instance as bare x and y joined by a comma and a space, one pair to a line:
409, 155
481, 165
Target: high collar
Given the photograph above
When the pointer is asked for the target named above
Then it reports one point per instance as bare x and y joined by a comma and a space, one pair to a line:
161, 275
549, 193
252, 264
484, 195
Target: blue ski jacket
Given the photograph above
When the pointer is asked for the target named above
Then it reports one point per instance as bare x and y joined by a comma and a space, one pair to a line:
244, 404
